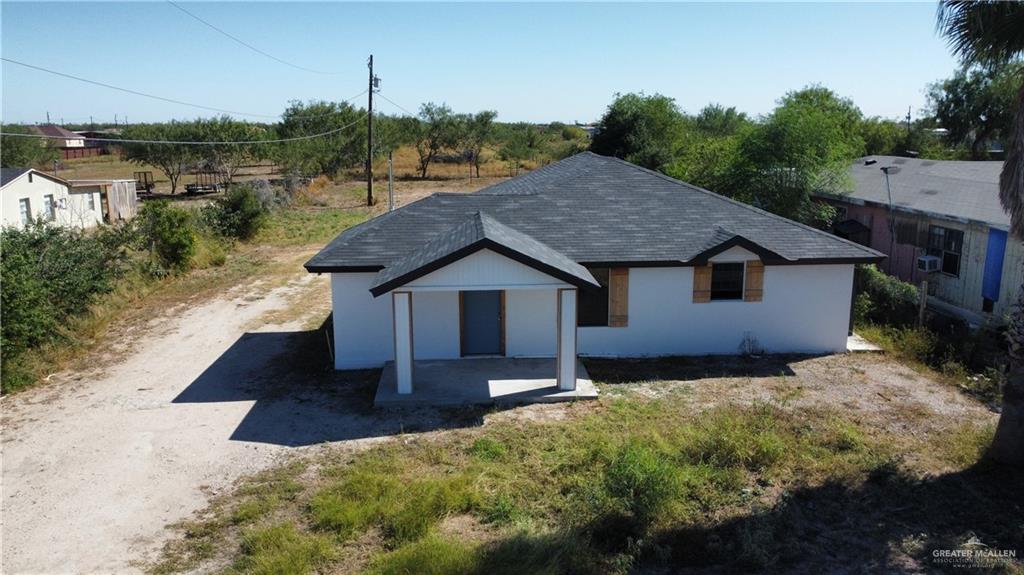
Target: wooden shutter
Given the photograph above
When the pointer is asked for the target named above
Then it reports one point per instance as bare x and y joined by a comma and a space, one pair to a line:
702, 284
618, 297
754, 288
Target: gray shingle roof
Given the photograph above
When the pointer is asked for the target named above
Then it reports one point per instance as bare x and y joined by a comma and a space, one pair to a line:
594, 210
956, 189
477, 232
8, 175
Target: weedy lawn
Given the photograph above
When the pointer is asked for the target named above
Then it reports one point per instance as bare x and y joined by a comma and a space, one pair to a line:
633, 481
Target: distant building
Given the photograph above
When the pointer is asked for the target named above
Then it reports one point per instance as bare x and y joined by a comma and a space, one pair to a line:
942, 216
101, 139
70, 144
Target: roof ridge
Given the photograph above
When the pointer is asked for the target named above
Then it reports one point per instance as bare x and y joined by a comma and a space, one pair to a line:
741, 204
539, 171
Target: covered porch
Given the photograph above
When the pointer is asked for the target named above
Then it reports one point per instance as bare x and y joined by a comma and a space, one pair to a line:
483, 314
483, 381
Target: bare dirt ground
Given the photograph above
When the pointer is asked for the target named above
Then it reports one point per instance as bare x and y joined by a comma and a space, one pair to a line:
96, 463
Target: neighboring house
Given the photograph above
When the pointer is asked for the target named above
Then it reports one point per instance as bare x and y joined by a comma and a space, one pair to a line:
98, 139
948, 210
70, 144
29, 194
590, 255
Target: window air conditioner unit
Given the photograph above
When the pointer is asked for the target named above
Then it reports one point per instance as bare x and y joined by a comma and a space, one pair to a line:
928, 264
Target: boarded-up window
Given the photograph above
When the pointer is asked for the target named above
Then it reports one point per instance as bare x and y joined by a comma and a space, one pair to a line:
618, 304
702, 284
753, 289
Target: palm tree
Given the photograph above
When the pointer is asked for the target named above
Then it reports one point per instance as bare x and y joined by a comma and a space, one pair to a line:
988, 32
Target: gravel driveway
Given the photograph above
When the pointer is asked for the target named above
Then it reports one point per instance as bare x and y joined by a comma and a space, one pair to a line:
96, 464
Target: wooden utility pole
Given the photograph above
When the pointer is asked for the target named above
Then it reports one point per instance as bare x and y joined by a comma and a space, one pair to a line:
369, 138
391, 189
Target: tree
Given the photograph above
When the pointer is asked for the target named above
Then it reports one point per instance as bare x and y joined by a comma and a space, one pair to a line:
346, 148
478, 130
717, 120
976, 104
437, 132
640, 129
802, 148
169, 158
884, 137
21, 152
229, 158
991, 32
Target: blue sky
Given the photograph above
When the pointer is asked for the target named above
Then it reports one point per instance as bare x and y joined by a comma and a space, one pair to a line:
531, 62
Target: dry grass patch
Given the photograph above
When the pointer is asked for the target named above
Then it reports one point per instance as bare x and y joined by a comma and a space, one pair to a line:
632, 483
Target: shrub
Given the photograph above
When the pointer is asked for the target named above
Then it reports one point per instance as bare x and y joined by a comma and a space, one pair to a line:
168, 233
49, 275
239, 214
641, 480
883, 298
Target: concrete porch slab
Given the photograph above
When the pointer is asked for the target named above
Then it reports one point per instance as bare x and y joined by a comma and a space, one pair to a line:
857, 344
482, 381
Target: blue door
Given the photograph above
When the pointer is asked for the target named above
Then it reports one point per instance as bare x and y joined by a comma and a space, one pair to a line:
482, 323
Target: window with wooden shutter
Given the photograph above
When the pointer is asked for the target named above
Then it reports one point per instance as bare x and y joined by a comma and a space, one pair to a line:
702, 284
753, 290
618, 298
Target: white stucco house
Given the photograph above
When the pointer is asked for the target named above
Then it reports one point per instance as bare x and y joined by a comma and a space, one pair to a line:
29, 194
590, 256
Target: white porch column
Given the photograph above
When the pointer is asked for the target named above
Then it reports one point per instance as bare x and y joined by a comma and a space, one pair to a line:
566, 355
402, 317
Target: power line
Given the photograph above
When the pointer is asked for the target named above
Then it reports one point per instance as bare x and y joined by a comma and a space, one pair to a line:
248, 45
135, 92
194, 143
396, 104
162, 98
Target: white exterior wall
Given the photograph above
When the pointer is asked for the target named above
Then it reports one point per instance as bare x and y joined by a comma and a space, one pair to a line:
362, 323
531, 323
805, 310
74, 213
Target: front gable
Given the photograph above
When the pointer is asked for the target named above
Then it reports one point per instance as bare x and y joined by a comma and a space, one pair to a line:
485, 270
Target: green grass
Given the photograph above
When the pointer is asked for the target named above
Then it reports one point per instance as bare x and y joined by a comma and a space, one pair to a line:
623, 485
431, 555
305, 226
282, 548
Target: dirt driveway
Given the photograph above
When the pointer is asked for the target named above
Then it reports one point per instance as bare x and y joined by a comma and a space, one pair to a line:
97, 463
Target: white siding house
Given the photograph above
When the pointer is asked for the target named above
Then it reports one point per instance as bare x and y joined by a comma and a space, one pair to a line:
30, 194
591, 257
804, 310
